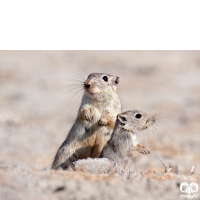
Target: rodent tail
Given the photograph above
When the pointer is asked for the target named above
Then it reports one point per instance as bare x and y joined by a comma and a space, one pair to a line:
94, 165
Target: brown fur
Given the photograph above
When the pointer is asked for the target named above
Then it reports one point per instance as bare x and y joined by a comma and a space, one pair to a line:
95, 121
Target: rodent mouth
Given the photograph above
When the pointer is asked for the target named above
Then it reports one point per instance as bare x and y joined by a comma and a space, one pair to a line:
89, 92
146, 126
150, 122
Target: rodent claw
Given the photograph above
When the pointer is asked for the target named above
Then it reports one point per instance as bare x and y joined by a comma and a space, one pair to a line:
146, 151
102, 122
88, 117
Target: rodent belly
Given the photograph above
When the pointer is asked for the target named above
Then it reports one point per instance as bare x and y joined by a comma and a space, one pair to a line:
103, 133
102, 136
84, 143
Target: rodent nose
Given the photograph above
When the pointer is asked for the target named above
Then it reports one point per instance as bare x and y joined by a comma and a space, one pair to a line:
87, 86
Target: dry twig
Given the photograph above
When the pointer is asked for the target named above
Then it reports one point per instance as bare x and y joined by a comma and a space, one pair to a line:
143, 172
170, 168
192, 171
166, 168
162, 162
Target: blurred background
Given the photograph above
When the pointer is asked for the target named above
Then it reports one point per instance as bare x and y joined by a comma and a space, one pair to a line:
38, 106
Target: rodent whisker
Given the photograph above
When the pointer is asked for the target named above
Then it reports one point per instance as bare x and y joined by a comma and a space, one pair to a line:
161, 117
163, 132
160, 111
73, 85
147, 130
78, 76
161, 114
155, 128
75, 93
152, 130
162, 123
72, 89
74, 80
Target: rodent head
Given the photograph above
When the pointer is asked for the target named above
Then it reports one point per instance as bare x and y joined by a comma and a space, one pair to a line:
135, 121
99, 85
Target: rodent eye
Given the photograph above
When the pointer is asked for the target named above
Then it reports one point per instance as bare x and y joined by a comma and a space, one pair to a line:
138, 116
105, 78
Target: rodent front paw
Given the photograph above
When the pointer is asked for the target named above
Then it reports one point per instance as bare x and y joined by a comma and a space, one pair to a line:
103, 121
145, 151
88, 116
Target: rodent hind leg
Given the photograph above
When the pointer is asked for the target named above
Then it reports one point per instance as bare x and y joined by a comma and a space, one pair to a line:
96, 151
59, 159
63, 161
67, 164
63, 157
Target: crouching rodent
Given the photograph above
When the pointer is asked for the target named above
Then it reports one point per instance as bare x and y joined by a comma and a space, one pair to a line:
95, 121
120, 148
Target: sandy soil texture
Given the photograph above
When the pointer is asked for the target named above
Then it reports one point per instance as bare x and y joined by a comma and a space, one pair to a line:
39, 103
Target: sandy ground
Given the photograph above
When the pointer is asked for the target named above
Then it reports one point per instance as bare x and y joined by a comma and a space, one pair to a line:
37, 110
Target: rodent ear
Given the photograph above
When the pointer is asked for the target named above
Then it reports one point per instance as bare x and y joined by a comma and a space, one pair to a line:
122, 118
117, 79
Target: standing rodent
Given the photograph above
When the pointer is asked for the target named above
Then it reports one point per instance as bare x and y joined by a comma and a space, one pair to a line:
120, 148
95, 121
